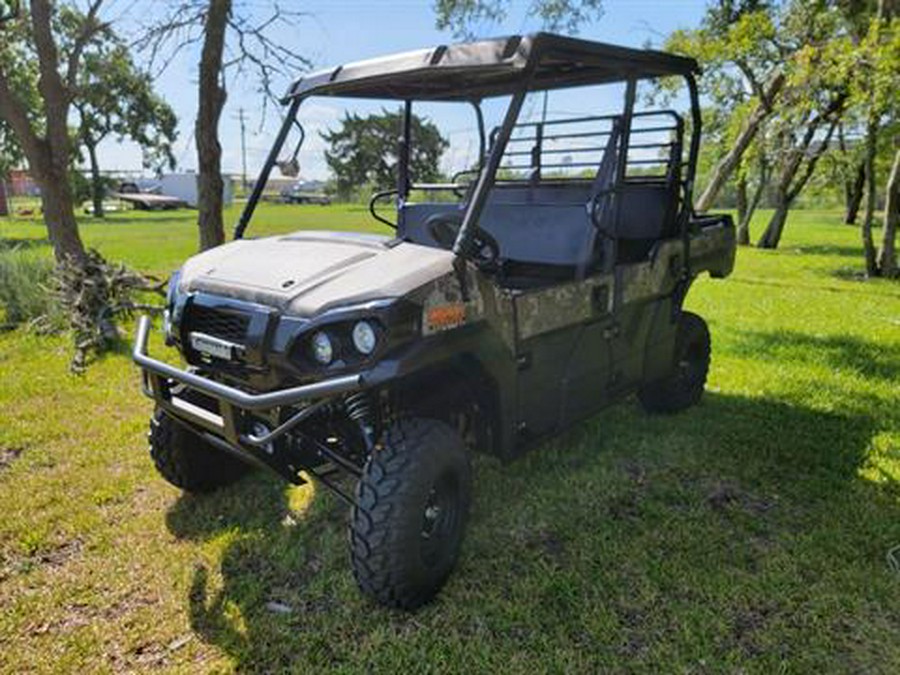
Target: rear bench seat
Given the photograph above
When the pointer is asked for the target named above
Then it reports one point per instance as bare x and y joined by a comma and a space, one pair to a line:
545, 224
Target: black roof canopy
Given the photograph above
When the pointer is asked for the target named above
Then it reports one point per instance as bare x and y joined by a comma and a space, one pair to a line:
475, 70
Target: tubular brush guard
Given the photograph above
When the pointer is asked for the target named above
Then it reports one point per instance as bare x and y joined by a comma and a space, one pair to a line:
231, 428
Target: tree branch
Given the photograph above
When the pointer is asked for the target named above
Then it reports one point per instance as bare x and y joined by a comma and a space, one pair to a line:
89, 28
755, 84
833, 113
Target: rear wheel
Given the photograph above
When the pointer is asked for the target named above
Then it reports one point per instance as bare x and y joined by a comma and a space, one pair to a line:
412, 503
188, 462
684, 386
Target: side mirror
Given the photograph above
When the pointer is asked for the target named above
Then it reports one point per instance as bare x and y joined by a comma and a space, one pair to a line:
289, 168
9, 10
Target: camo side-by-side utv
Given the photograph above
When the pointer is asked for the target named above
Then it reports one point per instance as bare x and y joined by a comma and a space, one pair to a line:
509, 304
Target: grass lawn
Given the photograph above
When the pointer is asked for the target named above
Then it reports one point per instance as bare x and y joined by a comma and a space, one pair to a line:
751, 533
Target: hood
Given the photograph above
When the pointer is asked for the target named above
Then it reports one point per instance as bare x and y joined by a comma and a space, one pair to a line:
308, 272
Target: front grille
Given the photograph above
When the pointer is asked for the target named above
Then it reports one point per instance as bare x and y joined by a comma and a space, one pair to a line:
223, 324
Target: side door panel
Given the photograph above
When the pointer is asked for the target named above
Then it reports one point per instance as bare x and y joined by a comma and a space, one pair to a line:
562, 352
642, 311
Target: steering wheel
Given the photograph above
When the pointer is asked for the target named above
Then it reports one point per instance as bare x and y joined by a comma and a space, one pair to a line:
444, 228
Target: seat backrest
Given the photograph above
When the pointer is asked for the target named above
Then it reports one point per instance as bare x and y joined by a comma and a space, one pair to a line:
539, 232
548, 222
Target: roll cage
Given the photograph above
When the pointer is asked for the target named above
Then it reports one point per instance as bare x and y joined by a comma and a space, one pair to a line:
514, 66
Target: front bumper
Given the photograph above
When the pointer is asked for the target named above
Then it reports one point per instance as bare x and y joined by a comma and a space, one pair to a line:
234, 423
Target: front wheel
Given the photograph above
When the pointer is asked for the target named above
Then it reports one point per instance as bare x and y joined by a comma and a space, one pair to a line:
187, 461
684, 386
412, 503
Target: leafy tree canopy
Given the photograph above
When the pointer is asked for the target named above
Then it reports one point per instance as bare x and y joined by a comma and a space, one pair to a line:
115, 98
463, 17
365, 150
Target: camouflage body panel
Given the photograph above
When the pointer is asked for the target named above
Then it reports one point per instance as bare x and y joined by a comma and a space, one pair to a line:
485, 301
444, 292
653, 278
544, 310
500, 311
551, 308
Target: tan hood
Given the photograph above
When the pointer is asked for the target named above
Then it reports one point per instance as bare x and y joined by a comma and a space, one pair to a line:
310, 271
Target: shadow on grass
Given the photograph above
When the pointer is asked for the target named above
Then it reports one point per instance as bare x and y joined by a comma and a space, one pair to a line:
719, 522
826, 250
838, 352
141, 219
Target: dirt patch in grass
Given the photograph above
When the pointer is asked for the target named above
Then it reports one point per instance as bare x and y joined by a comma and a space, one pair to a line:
54, 557
548, 543
9, 455
725, 495
79, 614
747, 623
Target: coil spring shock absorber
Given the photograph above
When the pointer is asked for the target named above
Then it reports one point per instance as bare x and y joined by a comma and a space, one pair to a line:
358, 407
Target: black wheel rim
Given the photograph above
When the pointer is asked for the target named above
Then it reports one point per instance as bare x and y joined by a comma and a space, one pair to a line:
440, 519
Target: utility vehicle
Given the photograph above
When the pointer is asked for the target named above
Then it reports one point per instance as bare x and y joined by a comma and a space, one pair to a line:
506, 307
297, 195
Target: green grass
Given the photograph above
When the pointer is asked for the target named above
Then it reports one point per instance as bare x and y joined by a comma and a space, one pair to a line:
748, 534
160, 241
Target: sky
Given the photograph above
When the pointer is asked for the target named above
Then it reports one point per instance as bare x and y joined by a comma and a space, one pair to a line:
337, 31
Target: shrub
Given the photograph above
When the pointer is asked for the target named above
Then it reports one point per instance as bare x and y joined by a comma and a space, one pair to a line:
84, 300
26, 297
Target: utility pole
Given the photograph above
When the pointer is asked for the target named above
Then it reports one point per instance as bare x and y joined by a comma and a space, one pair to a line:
243, 148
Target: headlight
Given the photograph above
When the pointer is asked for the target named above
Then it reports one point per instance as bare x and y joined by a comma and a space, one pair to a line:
322, 349
172, 289
170, 317
167, 323
364, 337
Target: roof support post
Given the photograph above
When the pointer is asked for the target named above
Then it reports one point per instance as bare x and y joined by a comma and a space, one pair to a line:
694, 153
403, 183
625, 135
482, 139
687, 208
486, 177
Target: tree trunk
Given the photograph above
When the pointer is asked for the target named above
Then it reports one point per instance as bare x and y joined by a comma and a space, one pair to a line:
791, 181
96, 180
743, 233
854, 194
742, 206
209, 152
866, 230
59, 214
4, 203
732, 159
887, 259
772, 236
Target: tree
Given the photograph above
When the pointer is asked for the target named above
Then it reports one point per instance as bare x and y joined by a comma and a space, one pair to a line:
10, 157
886, 85
365, 150
800, 149
869, 58
755, 171
39, 45
210, 186
812, 107
114, 98
232, 42
854, 179
738, 46
462, 16
875, 66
